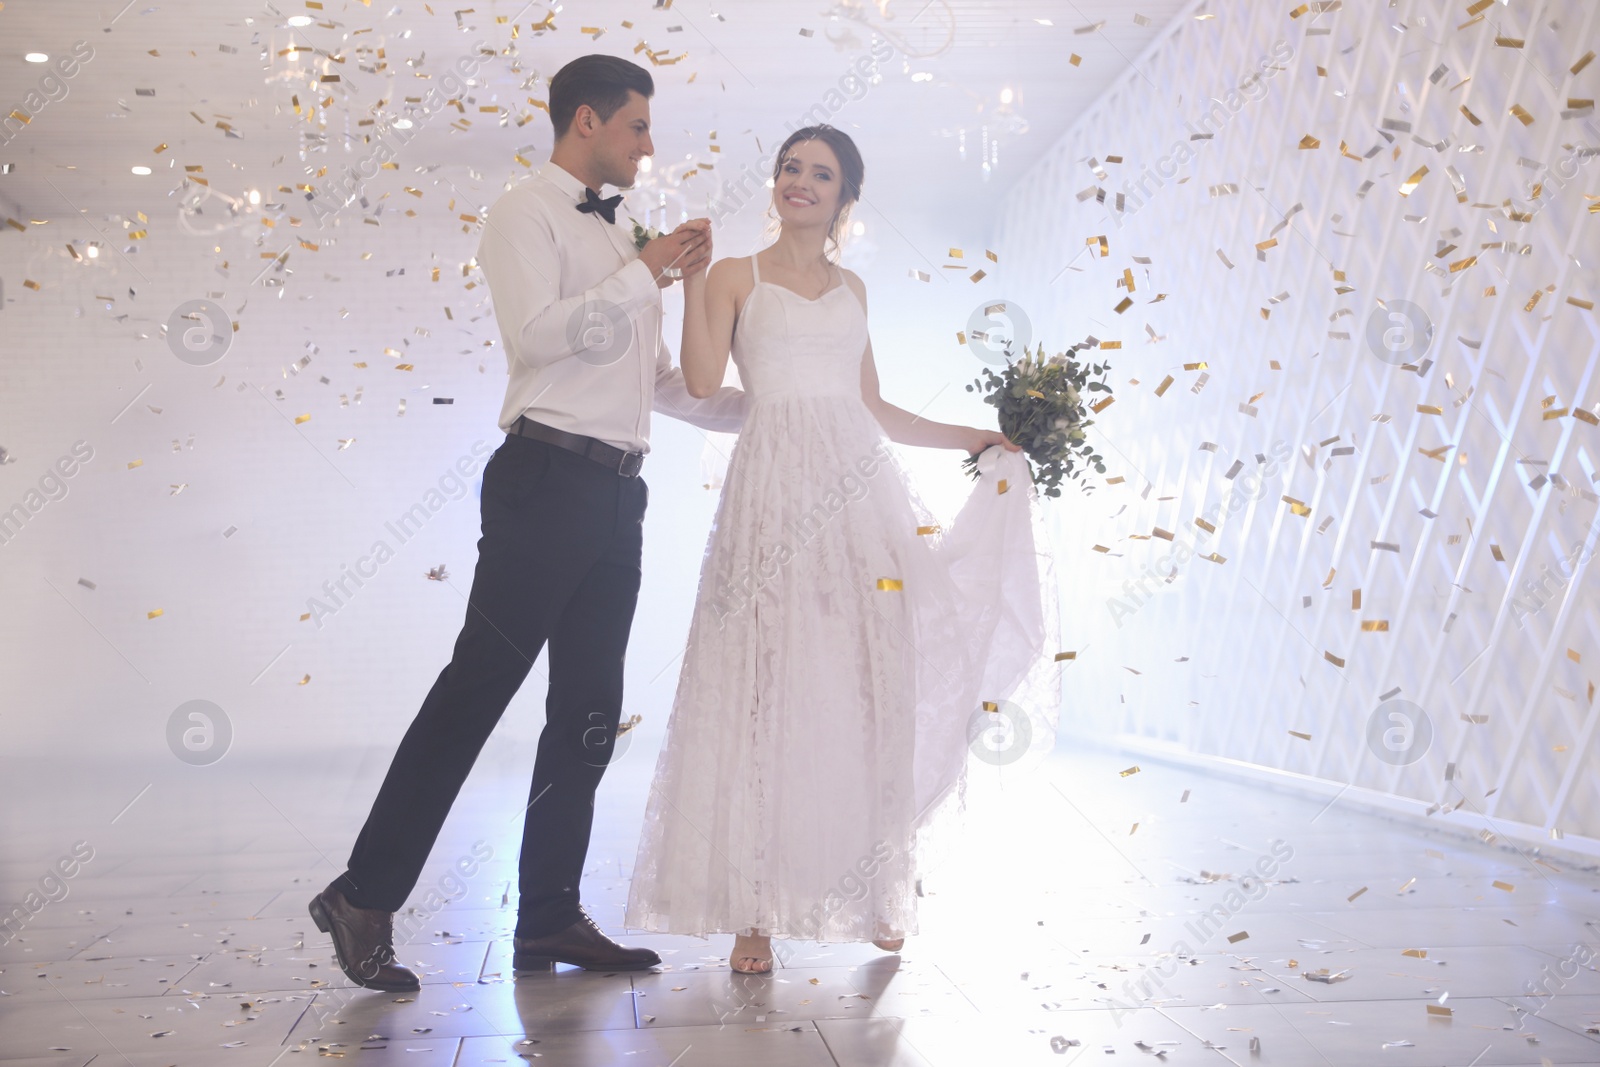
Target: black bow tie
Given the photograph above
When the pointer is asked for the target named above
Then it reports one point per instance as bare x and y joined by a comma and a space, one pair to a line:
606, 207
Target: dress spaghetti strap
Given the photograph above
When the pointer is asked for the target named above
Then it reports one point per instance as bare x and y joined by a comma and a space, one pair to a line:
755, 271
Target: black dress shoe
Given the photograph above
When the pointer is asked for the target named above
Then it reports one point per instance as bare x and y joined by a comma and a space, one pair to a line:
363, 942
582, 945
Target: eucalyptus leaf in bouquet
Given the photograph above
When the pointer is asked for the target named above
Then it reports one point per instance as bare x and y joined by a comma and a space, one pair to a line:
1044, 403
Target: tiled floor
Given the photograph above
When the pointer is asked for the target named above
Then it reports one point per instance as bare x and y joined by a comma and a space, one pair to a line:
1092, 914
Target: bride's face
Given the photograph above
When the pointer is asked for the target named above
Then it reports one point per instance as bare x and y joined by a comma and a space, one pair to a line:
807, 188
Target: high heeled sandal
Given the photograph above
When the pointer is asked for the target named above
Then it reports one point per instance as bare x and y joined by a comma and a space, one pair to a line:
735, 956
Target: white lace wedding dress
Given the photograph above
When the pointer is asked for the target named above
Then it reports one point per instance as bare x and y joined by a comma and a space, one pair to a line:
839, 657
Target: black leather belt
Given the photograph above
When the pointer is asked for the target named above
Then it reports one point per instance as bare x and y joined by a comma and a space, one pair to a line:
611, 457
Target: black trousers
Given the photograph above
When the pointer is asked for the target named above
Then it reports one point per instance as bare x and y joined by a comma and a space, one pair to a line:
558, 562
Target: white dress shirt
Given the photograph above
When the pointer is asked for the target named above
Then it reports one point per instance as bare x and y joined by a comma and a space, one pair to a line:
580, 318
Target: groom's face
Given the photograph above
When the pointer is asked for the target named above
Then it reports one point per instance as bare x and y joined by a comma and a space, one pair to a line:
620, 143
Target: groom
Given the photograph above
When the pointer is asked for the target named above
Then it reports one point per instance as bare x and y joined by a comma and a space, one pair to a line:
579, 310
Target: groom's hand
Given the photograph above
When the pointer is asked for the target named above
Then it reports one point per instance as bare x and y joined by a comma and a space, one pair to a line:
676, 249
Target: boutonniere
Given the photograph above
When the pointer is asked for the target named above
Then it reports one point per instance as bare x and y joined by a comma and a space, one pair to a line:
642, 235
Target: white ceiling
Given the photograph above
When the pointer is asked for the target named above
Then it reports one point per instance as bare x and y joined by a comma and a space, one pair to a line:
158, 65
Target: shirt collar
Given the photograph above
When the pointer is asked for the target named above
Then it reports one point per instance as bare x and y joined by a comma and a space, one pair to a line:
564, 180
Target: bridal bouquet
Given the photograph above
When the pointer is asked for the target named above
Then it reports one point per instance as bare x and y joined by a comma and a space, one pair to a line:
1042, 403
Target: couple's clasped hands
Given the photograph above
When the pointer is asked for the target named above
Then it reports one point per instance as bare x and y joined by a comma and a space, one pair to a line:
687, 248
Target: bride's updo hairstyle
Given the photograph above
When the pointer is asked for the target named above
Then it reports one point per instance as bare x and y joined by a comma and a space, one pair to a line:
849, 180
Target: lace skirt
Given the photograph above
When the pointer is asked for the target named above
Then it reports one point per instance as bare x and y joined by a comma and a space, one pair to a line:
840, 653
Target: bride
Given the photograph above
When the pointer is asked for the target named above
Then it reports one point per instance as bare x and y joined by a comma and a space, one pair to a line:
840, 642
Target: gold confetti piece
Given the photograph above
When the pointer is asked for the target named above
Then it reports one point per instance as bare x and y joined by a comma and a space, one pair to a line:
1430, 409
977, 276
1331, 658
1479, 6
1494, 550
29, 283
1411, 183
1588, 57
923, 531
1075, 59
1301, 736
1235, 938
136, 463
1587, 305
1100, 548
298, 419
1475, 120
1060, 656
1002, 487
1507, 886
1574, 655
1409, 883
1131, 832
1118, 480
1462, 264
1349, 898
1130, 771
307, 681
1509, 42
1309, 141
1162, 388
154, 614
1204, 525
989, 705
1100, 405
1522, 114
1214, 558
1124, 305
1439, 1009
889, 585
1375, 626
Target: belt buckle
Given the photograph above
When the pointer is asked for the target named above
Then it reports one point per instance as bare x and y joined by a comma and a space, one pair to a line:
630, 464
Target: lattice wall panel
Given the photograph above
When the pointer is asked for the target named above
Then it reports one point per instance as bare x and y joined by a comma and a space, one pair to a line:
1441, 475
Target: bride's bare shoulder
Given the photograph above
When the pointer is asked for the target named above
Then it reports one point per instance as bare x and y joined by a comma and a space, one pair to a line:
853, 280
733, 272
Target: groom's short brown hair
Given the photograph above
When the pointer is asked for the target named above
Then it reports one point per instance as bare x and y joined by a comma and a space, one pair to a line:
602, 82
